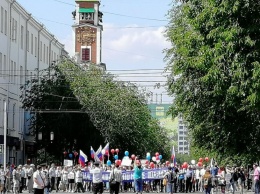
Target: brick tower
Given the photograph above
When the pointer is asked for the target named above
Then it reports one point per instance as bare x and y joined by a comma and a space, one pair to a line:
88, 31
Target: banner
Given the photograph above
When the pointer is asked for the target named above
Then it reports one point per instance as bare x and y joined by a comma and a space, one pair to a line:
148, 175
68, 163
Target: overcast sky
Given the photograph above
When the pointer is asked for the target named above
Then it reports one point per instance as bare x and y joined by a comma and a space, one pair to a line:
133, 36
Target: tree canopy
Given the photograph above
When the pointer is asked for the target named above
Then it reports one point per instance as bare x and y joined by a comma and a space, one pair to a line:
92, 107
214, 61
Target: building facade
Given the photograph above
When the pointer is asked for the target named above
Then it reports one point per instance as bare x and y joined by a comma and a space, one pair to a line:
26, 48
183, 142
88, 32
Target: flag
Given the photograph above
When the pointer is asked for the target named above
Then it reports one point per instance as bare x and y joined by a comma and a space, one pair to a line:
106, 150
173, 156
82, 158
92, 152
212, 162
99, 153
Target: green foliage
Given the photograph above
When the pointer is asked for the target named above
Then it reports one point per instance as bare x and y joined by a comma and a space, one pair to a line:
215, 74
117, 109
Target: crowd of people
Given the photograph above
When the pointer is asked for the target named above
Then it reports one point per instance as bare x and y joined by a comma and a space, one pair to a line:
45, 179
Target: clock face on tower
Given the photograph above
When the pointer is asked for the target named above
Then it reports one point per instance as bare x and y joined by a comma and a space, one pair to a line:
86, 35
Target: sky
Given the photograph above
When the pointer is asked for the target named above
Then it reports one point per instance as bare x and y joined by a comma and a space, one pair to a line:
133, 37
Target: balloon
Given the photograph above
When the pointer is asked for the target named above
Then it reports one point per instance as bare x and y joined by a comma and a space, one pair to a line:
157, 158
118, 162
112, 151
109, 163
185, 165
148, 154
148, 157
103, 152
147, 162
70, 155
200, 159
65, 153
160, 157
116, 157
154, 158
133, 156
126, 153
157, 154
117, 150
206, 159
151, 164
75, 154
199, 163
167, 163
106, 152
193, 162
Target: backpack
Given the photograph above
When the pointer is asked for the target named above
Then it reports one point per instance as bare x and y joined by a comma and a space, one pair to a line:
206, 182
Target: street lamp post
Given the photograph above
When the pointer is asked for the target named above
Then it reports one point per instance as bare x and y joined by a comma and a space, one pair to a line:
40, 139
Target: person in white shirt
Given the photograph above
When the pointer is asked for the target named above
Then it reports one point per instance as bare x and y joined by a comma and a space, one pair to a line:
30, 178
71, 180
38, 181
45, 174
16, 180
64, 178
97, 179
52, 176
116, 176
58, 177
202, 173
2, 179
79, 180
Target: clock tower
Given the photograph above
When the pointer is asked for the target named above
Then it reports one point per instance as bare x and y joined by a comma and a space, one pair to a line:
88, 32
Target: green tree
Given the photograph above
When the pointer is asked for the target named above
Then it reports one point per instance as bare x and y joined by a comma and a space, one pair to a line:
215, 74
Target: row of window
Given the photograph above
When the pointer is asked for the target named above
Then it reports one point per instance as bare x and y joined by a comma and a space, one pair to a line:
182, 138
3, 25
183, 148
183, 143
183, 132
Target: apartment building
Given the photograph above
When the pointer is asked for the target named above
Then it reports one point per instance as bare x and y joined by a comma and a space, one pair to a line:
26, 47
183, 142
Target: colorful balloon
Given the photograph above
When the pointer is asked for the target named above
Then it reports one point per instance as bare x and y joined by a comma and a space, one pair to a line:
112, 151
126, 153
200, 159
160, 157
148, 157
133, 156
117, 150
167, 163
109, 163
199, 164
116, 157
206, 159
157, 154
70, 155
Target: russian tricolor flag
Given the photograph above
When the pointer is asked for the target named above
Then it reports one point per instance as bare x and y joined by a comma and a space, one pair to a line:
173, 156
99, 153
92, 152
106, 150
82, 158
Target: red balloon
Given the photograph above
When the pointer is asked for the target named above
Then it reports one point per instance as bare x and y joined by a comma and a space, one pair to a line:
151, 164
206, 159
117, 150
75, 153
112, 151
65, 153
157, 158
167, 163
157, 154
133, 156
147, 162
106, 152
199, 163
185, 165
200, 159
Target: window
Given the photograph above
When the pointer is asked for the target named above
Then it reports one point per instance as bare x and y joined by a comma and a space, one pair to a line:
44, 53
2, 19
15, 30
180, 132
181, 143
51, 55
21, 74
5, 22
180, 127
47, 55
4, 66
85, 52
27, 40
13, 126
32, 44
14, 72
22, 34
12, 29
180, 138
11, 71
35, 52
1, 63
41, 50
180, 122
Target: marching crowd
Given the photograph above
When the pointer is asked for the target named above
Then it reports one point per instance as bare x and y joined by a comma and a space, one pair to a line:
45, 179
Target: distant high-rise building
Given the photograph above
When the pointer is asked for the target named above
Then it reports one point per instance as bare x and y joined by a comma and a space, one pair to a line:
183, 142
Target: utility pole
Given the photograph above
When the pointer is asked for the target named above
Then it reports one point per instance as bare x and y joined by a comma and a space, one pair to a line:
5, 133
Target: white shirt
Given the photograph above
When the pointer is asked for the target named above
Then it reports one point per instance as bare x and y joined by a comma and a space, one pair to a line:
97, 175
71, 175
58, 173
202, 172
79, 176
65, 175
52, 172
197, 172
38, 180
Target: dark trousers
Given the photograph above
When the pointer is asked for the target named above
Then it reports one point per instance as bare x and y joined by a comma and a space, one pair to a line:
79, 187
57, 183
38, 191
114, 188
52, 183
188, 184
98, 188
181, 185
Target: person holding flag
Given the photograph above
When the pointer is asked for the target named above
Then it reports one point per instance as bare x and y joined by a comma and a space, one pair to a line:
173, 156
